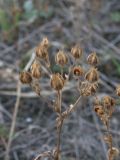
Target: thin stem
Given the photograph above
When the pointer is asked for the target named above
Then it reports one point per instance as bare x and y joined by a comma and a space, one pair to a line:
110, 157
13, 122
59, 101
57, 157
71, 108
59, 127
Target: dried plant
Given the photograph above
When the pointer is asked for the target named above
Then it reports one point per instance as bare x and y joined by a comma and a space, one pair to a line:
87, 86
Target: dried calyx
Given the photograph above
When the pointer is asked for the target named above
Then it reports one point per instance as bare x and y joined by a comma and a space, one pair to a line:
76, 52
88, 89
93, 59
36, 70
45, 43
41, 52
61, 58
57, 82
78, 71
25, 77
108, 101
92, 75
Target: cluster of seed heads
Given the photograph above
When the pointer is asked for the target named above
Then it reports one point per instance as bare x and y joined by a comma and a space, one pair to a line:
87, 87
87, 83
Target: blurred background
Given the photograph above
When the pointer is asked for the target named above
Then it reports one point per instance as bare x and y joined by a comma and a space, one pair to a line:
95, 25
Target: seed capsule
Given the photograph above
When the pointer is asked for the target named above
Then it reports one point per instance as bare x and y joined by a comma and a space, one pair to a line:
92, 59
57, 82
78, 71
76, 52
25, 77
45, 43
108, 101
92, 75
41, 52
61, 58
99, 110
36, 70
118, 90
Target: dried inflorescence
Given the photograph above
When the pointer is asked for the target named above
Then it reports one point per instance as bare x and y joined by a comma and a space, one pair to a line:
87, 86
104, 109
25, 77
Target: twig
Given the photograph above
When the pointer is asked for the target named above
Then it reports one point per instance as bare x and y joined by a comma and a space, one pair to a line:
13, 121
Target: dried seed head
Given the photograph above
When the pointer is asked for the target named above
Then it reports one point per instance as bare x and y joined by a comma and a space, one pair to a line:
92, 59
25, 77
61, 58
76, 52
78, 71
57, 81
99, 110
45, 43
108, 101
41, 52
92, 75
85, 89
118, 90
36, 70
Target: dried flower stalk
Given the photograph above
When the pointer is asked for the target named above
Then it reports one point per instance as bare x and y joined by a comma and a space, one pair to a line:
87, 86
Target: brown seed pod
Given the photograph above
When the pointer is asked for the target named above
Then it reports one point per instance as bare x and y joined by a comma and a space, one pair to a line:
108, 101
85, 89
57, 82
45, 43
25, 77
99, 110
36, 70
41, 52
92, 59
92, 75
78, 71
61, 58
76, 52
118, 90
